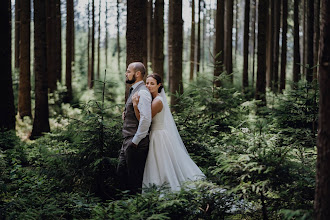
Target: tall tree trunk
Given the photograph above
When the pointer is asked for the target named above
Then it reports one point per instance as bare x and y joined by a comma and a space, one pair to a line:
316, 36
236, 26
176, 40
69, 42
24, 93
150, 31
322, 192
7, 108
270, 46
254, 39
118, 35
229, 36
219, 40
203, 37
169, 44
158, 42
304, 2
135, 33
284, 43
91, 73
98, 42
198, 39
246, 45
261, 54
277, 19
17, 32
310, 33
50, 37
41, 113
106, 34
58, 42
296, 46
88, 43
192, 41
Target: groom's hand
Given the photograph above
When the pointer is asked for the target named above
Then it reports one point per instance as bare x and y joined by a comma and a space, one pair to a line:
132, 145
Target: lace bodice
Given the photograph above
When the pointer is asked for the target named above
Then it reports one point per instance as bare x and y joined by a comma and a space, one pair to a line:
158, 119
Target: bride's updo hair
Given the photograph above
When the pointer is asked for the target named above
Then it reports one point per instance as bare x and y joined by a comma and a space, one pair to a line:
158, 79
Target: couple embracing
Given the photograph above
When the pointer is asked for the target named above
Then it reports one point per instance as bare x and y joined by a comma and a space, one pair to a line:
152, 152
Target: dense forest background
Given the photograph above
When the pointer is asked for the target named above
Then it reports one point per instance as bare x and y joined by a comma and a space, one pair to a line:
248, 83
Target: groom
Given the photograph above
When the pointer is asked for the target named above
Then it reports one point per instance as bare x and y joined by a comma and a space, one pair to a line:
134, 151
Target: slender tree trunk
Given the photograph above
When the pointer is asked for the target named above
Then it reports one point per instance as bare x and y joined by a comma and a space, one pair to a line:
316, 37
236, 32
296, 50
229, 36
88, 43
254, 38
41, 113
198, 39
261, 54
322, 192
17, 32
7, 108
150, 30
219, 40
69, 42
24, 92
58, 42
304, 36
158, 47
91, 73
176, 40
246, 45
192, 41
277, 19
203, 36
310, 33
284, 44
118, 35
98, 42
270, 46
106, 34
169, 44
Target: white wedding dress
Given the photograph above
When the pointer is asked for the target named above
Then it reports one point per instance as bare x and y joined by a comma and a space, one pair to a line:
168, 162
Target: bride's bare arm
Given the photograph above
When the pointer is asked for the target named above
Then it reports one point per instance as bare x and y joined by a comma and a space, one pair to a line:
156, 107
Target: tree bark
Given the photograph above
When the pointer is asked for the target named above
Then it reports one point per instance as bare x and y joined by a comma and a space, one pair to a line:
136, 33
277, 19
261, 54
24, 92
245, 77
229, 36
296, 46
219, 40
118, 35
106, 34
158, 47
69, 47
99, 42
270, 46
316, 37
198, 39
88, 43
254, 18
284, 44
322, 192
17, 32
91, 72
310, 33
41, 113
176, 40
7, 108
150, 21
236, 26
58, 42
192, 41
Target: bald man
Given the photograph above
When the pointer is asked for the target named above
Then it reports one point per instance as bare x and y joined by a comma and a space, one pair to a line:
134, 151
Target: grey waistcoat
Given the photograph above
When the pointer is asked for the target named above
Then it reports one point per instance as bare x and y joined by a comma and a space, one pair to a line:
131, 123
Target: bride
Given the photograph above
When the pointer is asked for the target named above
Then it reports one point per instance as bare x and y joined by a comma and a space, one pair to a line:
168, 162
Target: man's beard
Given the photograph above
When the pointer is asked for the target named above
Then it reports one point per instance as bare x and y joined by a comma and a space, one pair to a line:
131, 81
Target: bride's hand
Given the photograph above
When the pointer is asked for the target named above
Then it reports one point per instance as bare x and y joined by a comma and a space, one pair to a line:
135, 99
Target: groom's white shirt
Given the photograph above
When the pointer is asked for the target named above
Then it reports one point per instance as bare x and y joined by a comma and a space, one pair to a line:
144, 107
